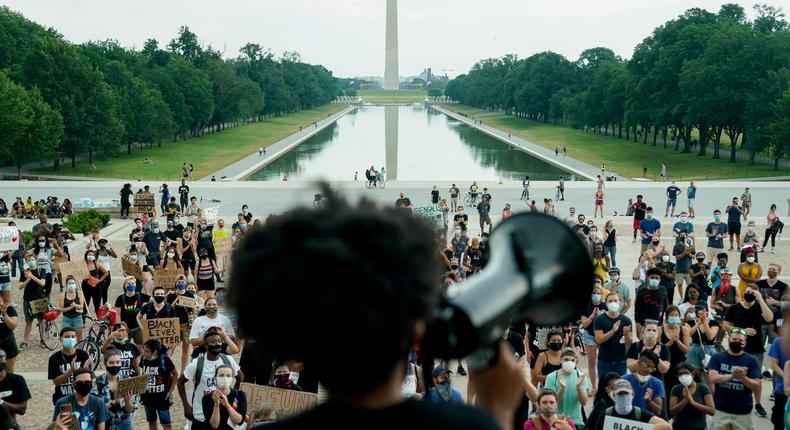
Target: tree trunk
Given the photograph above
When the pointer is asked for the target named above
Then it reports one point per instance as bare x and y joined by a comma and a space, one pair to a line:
129, 148
628, 133
665, 137
655, 135
635, 135
644, 136
776, 161
620, 130
18, 172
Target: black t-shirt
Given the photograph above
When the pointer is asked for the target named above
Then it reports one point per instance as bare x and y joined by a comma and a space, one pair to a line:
483, 209
181, 312
700, 338
636, 348
691, 417
4, 330
34, 291
516, 342
160, 379
741, 317
639, 210
644, 416
130, 306
776, 292
58, 364
129, 353
407, 414
172, 234
183, 190
612, 349
650, 304
125, 194
237, 399
205, 238
17, 386
435, 196
463, 217
150, 311
667, 280
701, 280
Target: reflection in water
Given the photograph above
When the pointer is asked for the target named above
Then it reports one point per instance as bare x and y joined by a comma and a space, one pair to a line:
419, 144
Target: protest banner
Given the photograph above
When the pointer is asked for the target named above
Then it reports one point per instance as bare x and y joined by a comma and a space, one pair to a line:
615, 423
433, 213
287, 402
9, 239
187, 302
143, 203
39, 306
165, 277
210, 214
76, 268
135, 385
165, 330
131, 268
223, 246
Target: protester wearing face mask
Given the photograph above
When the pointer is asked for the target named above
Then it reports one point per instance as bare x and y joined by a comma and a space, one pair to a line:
159, 308
716, 231
601, 263
683, 251
206, 272
443, 391
212, 319
172, 259
154, 240
283, 378
91, 286
128, 305
650, 342
549, 360
724, 293
163, 374
202, 371
185, 315
772, 290
596, 307
610, 241
693, 297
136, 257
650, 300
750, 314
675, 335
225, 407
71, 305
682, 224
571, 385
547, 418
614, 337
699, 273
603, 399
649, 230
129, 352
736, 375
119, 405
15, 391
186, 247
649, 391
35, 287
690, 401
749, 271
616, 285
64, 363
172, 233
750, 240
668, 273
86, 411
704, 330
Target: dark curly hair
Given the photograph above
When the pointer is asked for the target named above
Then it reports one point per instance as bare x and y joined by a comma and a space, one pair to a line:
360, 277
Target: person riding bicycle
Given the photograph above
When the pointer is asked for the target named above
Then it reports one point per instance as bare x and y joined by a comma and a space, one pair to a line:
473, 191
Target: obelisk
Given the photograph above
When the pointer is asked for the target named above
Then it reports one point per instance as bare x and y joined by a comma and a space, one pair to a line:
391, 48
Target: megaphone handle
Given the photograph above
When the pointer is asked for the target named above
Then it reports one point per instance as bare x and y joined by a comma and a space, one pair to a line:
484, 357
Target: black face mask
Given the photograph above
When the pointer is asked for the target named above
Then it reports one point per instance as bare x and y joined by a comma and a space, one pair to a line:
159, 299
454, 266
736, 347
83, 387
700, 259
113, 370
555, 346
216, 349
190, 294
2, 366
749, 297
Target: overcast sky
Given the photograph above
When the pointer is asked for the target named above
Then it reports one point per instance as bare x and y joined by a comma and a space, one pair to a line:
347, 36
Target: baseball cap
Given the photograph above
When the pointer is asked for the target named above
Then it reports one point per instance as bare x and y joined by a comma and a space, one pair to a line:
621, 385
440, 370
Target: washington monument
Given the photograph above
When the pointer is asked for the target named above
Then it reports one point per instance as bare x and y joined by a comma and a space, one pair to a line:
391, 48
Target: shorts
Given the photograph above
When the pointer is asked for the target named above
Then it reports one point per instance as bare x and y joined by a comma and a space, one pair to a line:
724, 420
733, 228
710, 253
588, 339
205, 284
672, 202
72, 322
485, 219
680, 277
152, 412
691, 203
5, 286
636, 223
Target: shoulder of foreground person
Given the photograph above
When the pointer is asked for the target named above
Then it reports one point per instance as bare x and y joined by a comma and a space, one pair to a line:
408, 414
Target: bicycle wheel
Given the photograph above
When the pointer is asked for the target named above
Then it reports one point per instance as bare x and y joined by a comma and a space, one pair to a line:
93, 351
468, 200
50, 335
382, 183
369, 184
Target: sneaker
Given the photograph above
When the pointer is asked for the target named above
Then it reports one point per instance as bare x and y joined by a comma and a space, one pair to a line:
772, 251
771, 397
760, 411
23, 346
461, 371
767, 374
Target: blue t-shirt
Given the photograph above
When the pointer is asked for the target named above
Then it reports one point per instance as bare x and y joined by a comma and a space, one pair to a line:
733, 396
777, 352
433, 396
688, 226
720, 228
672, 192
640, 389
649, 226
733, 215
87, 417
614, 348
691, 192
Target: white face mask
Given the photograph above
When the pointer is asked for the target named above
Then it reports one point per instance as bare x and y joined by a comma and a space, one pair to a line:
613, 306
642, 378
623, 403
665, 258
686, 379
171, 255
683, 219
651, 336
91, 258
568, 366
133, 257
750, 259
224, 381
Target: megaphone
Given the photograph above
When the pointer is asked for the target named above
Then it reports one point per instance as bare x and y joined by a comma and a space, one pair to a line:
540, 272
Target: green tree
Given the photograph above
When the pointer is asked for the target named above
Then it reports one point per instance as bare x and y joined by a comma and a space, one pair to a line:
15, 115
41, 138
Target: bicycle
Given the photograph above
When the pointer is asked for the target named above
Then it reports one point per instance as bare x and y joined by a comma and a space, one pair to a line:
48, 329
557, 194
98, 331
375, 183
470, 199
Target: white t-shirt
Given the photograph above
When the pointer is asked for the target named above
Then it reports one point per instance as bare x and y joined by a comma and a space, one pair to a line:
202, 323
206, 384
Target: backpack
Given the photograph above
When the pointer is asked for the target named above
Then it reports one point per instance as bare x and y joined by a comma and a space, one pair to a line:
637, 412
201, 361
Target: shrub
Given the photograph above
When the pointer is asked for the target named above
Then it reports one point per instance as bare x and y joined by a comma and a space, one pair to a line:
84, 222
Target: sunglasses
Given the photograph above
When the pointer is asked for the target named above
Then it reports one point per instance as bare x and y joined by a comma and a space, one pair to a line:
738, 330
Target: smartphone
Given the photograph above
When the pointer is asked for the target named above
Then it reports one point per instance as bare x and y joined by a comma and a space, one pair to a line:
65, 409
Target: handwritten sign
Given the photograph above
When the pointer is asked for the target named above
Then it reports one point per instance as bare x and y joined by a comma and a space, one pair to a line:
223, 246
433, 213
74, 268
165, 330
166, 277
210, 214
135, 385
187, 302
39, 306
615, 423
131, 268
9, 239
542, 334
287, 402
143, 203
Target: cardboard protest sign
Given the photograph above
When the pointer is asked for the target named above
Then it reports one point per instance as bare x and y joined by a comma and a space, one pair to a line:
143, 203
165, 330
132, 268
136, 384
542, 334
39, 306
187, 302
9, 239
287, 402
615, 423
210, 214
433, 213
223, 246
166, 278
75, 268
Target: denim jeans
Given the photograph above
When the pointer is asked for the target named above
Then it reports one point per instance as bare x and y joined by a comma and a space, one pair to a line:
17, 260
611, 251
605, 367
697, 353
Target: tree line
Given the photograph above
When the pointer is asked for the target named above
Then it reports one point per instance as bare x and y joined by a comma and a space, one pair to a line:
716, 73
59, 99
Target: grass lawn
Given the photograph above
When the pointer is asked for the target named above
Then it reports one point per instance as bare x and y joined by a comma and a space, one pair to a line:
392, 96
625, 157
208, 153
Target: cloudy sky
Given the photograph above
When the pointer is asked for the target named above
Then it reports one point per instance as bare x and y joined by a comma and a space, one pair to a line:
347, 36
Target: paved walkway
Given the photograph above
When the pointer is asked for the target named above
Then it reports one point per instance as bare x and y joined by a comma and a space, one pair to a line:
573, 165
245, 167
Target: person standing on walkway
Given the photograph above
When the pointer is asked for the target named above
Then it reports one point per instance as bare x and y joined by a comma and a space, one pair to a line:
746, 202
773, 228
435, 195
453, 191
778, 357
663, 171
649, 229
672, 199
126, 203
734, 213
562, 188
165, 198
614, 336
639, 208
736, 375
715, 231
691, 195
183, 192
